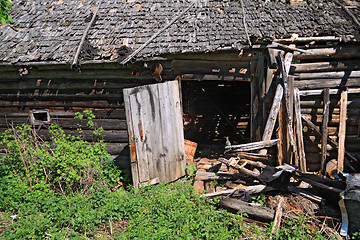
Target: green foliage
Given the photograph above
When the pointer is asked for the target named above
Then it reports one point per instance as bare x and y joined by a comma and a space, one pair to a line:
296, 229
356, 235
68, 165
190, 171
260, 199
5, 5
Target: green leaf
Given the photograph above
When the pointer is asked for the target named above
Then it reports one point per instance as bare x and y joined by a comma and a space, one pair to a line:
8, 4
3, 21
9, 18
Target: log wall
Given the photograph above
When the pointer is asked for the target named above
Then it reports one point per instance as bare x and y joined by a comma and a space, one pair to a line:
336, 70
63, 92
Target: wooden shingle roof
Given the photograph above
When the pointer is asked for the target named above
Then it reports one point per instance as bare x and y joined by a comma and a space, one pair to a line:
52, 30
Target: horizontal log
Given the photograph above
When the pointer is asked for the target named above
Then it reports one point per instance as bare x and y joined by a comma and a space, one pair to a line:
60, 97
340, 51
325, 66
351, 111
108, 113
208, 77
334, 102
305, 93
327, 75
62, 84
207, 67
247, 55
72, 74
254, 212
327, 83
48, 104
251, 146
334, 120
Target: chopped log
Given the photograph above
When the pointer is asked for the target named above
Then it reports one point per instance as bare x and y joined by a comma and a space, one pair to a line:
315, 129
299, 133
325, 66
251, 146
325, 129
332, 92
342, 131
278, 214
255, 212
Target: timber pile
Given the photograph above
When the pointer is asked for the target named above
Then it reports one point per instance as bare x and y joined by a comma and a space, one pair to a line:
243, 174
243, 182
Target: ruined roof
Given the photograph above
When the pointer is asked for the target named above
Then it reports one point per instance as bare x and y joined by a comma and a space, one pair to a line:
52, 30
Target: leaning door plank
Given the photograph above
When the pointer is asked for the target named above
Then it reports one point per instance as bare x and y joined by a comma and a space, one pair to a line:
156, 129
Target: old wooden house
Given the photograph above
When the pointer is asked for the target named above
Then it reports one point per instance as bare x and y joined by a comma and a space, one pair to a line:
61, 57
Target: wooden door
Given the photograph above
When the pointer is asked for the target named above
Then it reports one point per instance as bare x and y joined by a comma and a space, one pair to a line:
156, 136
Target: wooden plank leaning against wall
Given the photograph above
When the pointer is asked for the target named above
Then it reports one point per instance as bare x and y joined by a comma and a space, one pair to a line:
335, 68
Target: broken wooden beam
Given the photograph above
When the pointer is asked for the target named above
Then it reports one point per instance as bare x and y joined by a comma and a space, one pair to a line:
251, 146
299, 131
249, 190
209, 176
325, 130
288, 48
342, 130
255, 212
278, 214
253, 156
331, 91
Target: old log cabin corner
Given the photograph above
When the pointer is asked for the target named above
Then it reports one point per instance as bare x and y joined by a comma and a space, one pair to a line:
59, 58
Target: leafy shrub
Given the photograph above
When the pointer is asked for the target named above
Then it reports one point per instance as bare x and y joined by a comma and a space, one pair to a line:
67, 165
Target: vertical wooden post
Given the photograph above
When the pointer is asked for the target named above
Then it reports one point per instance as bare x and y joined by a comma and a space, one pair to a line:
324, 129
283, 145
342, 130
299, 133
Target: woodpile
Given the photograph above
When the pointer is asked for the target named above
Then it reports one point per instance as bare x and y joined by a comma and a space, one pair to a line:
244, 173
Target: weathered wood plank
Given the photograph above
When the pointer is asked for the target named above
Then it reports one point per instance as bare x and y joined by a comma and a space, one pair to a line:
324, 129
345, 52
327, 83
133, 155
342, 131
299, 133
332, 91
255, 212
168, 136
327, 75
325, 66
251, 146
180, 161
270, 124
